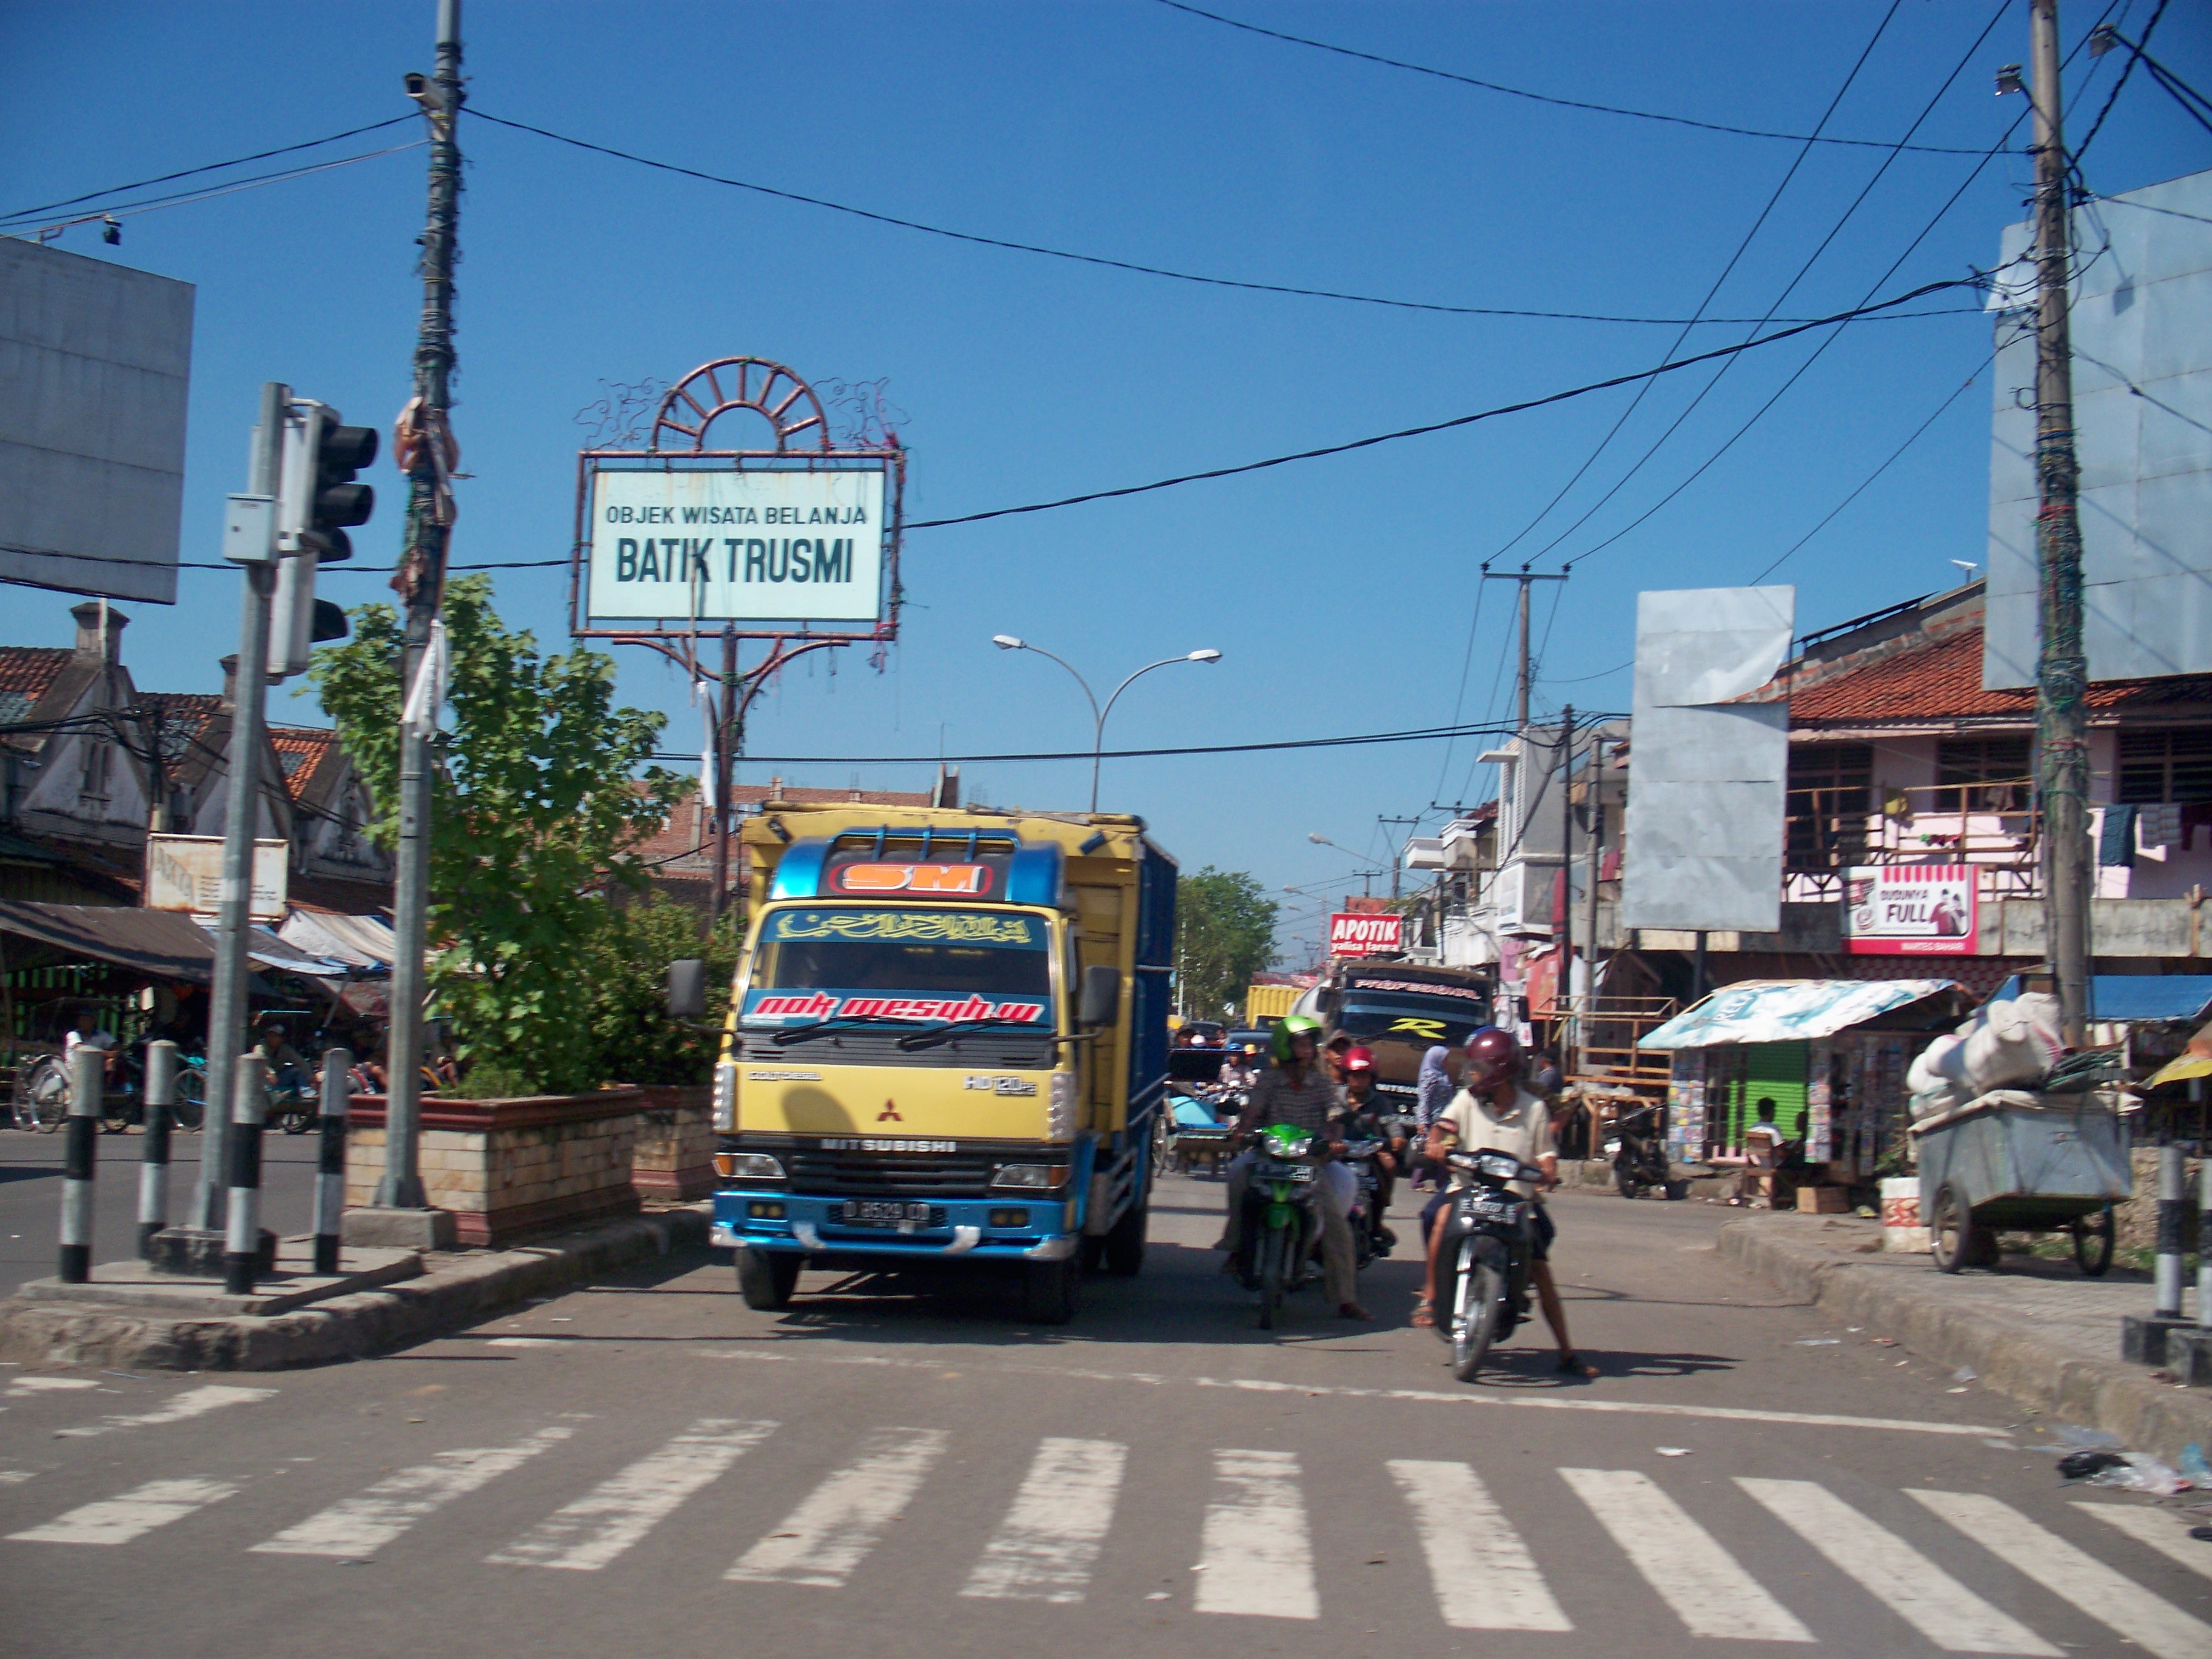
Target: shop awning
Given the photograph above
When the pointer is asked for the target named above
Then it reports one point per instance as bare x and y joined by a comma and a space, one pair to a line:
2181, 1069
1788, 1010
159, 944
2138, 999
361, 941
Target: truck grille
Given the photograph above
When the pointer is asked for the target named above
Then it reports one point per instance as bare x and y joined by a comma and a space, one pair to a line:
815, 1172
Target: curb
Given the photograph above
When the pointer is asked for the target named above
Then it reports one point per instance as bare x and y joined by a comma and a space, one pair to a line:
2121, 1400
456, 1291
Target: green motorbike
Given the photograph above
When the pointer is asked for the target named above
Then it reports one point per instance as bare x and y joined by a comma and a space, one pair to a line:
1281, 1223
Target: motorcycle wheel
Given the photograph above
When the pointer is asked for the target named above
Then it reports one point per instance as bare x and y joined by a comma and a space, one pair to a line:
1474, 1329
1274, 1254
296, 1120
1629, 1188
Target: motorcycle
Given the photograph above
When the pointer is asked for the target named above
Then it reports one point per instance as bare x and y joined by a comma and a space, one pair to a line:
1371, 1238
1489, 1247
1281, 1223
1640, 1156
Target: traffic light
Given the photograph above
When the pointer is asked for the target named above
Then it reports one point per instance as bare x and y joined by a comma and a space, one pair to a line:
317, 500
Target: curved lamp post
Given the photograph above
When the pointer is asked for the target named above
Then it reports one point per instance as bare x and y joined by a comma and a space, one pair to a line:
1008, 642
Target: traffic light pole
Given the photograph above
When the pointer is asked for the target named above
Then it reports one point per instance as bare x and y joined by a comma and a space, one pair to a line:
422, 576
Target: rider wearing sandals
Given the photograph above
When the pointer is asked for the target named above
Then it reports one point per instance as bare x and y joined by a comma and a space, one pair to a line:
1494, 1111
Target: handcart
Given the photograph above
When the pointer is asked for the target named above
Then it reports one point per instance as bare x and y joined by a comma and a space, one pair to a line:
1199, 1136
2020, 1161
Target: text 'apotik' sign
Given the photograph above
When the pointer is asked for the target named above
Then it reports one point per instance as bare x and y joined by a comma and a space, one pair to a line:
1364, 935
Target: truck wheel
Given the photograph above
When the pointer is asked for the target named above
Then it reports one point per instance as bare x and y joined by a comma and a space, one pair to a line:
1125, 1244
766, 1279
1051, 1290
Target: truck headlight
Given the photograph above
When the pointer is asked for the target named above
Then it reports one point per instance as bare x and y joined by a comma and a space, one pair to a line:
725, 1098
1037, 1176
1060, 1114
747, 1166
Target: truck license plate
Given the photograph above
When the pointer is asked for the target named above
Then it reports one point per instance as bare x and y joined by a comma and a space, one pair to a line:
888, 1212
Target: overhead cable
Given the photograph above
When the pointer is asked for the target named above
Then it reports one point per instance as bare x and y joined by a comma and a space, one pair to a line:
1547, 98
1097, 259
203, 193
2112, 97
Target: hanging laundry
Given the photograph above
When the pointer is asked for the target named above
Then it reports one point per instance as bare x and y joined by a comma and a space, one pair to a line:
2157, 827
2116, 839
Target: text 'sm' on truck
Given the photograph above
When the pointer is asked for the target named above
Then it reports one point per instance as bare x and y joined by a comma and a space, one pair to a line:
946, 1044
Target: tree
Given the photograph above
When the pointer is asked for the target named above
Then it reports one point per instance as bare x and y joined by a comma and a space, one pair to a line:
1224, 933
637, 1039
535, 810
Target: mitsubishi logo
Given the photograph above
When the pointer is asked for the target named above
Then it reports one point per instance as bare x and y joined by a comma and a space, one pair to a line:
889, 1114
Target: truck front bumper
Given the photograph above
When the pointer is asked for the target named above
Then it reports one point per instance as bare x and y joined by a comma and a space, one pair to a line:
1001, 1229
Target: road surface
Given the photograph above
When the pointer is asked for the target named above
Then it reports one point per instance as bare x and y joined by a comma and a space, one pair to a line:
648, 1467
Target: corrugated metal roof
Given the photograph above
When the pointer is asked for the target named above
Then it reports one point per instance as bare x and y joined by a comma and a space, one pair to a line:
1788, 1010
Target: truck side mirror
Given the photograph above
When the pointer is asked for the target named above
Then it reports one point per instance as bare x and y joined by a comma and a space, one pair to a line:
1102, 996
687, 989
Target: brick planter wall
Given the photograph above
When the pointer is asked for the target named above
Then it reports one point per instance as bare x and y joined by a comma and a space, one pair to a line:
508, 1167
2136, 1222
675, 1156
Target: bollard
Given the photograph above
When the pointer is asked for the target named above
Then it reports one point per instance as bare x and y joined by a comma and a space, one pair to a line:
87, 1069
330, 1181
241, 1246
2172, 1198
153, 1150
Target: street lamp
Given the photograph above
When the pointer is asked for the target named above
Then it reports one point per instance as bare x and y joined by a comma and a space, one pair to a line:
1009, 642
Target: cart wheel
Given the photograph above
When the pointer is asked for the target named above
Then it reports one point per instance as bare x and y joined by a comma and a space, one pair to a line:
2092, 1242
1950, 1230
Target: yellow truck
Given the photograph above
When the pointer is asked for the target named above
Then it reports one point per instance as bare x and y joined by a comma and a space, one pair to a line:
946, 1046
1265, 1004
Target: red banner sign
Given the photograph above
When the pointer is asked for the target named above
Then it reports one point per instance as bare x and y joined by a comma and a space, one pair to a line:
1911, 910
1353, 935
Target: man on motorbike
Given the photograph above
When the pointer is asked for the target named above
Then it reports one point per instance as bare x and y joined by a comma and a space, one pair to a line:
1297, 1090
1364, 1112
1494, 1112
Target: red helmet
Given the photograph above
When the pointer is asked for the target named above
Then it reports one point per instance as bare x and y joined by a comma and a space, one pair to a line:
1359, 1060
1493, 1055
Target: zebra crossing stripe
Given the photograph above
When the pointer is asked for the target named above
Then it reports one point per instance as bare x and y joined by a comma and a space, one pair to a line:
1707, 1588
1258, 1557
2164, 1533
192, 1402
835, 1525
1899, 1576
33, 1385
131, 1515
366, 1522
1045, 1548
2153, 1624
1484, 1574
584, 1535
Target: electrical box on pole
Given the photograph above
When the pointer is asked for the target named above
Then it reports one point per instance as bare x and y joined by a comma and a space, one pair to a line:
317, 500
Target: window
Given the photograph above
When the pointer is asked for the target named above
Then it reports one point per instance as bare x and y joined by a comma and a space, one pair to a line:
95, 768
1998, 765
1830, 795
2160, 767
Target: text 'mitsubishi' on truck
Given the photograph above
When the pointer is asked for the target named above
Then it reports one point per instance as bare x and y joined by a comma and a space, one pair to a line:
946, 1044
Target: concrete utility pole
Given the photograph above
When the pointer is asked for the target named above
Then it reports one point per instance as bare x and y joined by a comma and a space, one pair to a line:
1522, 682
1596, 853
726, 739
1564, 998
422, 581
2062, 673
1397, 857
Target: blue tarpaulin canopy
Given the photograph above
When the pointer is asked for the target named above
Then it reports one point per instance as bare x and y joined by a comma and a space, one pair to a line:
2138, 997
1787, 1009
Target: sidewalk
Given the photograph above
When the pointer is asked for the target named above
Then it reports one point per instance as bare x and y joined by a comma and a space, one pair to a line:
2036, 1330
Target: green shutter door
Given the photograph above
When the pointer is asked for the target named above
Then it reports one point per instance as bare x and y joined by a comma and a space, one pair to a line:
1774, 1070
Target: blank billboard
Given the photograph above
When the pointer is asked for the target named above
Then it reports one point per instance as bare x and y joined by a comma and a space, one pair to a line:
2141, 318
94, 362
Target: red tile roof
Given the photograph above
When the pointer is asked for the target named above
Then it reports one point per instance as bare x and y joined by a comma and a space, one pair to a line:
31, 668
1942, 679
300, 750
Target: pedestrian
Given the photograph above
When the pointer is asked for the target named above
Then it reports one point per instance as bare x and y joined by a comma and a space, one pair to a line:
1432, 1093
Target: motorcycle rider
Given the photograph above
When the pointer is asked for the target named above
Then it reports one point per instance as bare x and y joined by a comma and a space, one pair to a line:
1363, 1120
1297, 1090
1494, 1112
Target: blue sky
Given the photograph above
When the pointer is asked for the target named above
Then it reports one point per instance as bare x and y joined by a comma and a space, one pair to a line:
1340, 591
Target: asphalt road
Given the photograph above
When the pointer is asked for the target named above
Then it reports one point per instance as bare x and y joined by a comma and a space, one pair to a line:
647, 1466
31, 1194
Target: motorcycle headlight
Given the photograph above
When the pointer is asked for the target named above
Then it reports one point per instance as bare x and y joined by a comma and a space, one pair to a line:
1289, 1145
1498, 1166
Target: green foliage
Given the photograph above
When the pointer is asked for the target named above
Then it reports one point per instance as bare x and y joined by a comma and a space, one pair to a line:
1224, 933
534, 811
628, 968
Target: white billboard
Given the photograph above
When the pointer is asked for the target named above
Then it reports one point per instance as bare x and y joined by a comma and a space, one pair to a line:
736, 546
185, 872
95, 362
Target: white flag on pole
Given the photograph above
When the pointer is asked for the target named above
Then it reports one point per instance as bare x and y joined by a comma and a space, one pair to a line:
424, 698
703, 693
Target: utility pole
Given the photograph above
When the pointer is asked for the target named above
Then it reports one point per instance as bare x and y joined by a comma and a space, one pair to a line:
1398, 858
1522, 682
1596, 853
421, 582
2062, 673
724, 757
1564, 998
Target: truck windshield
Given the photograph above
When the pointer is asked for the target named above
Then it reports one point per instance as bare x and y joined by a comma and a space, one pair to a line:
1366, 1015
938, 963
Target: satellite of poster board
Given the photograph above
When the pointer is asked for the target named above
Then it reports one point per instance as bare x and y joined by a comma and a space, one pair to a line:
185, 872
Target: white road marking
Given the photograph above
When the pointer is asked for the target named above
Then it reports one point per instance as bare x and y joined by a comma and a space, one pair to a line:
192, 1402
2154, 1624
16, 1477
1045, 1548
586, 1534
1707, 1587
366, 1522
1259, 1558
834, 1526
2165, 1532
120, 1519
1899, 1576
1484, 1574
27, 1385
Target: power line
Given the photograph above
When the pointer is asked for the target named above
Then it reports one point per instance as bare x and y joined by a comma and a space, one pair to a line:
1545, 98
208, 192
1090, 258
212, 166
2155, 403
2113, 96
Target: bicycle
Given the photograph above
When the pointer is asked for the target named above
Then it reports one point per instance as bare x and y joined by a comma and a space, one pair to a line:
41, 1095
